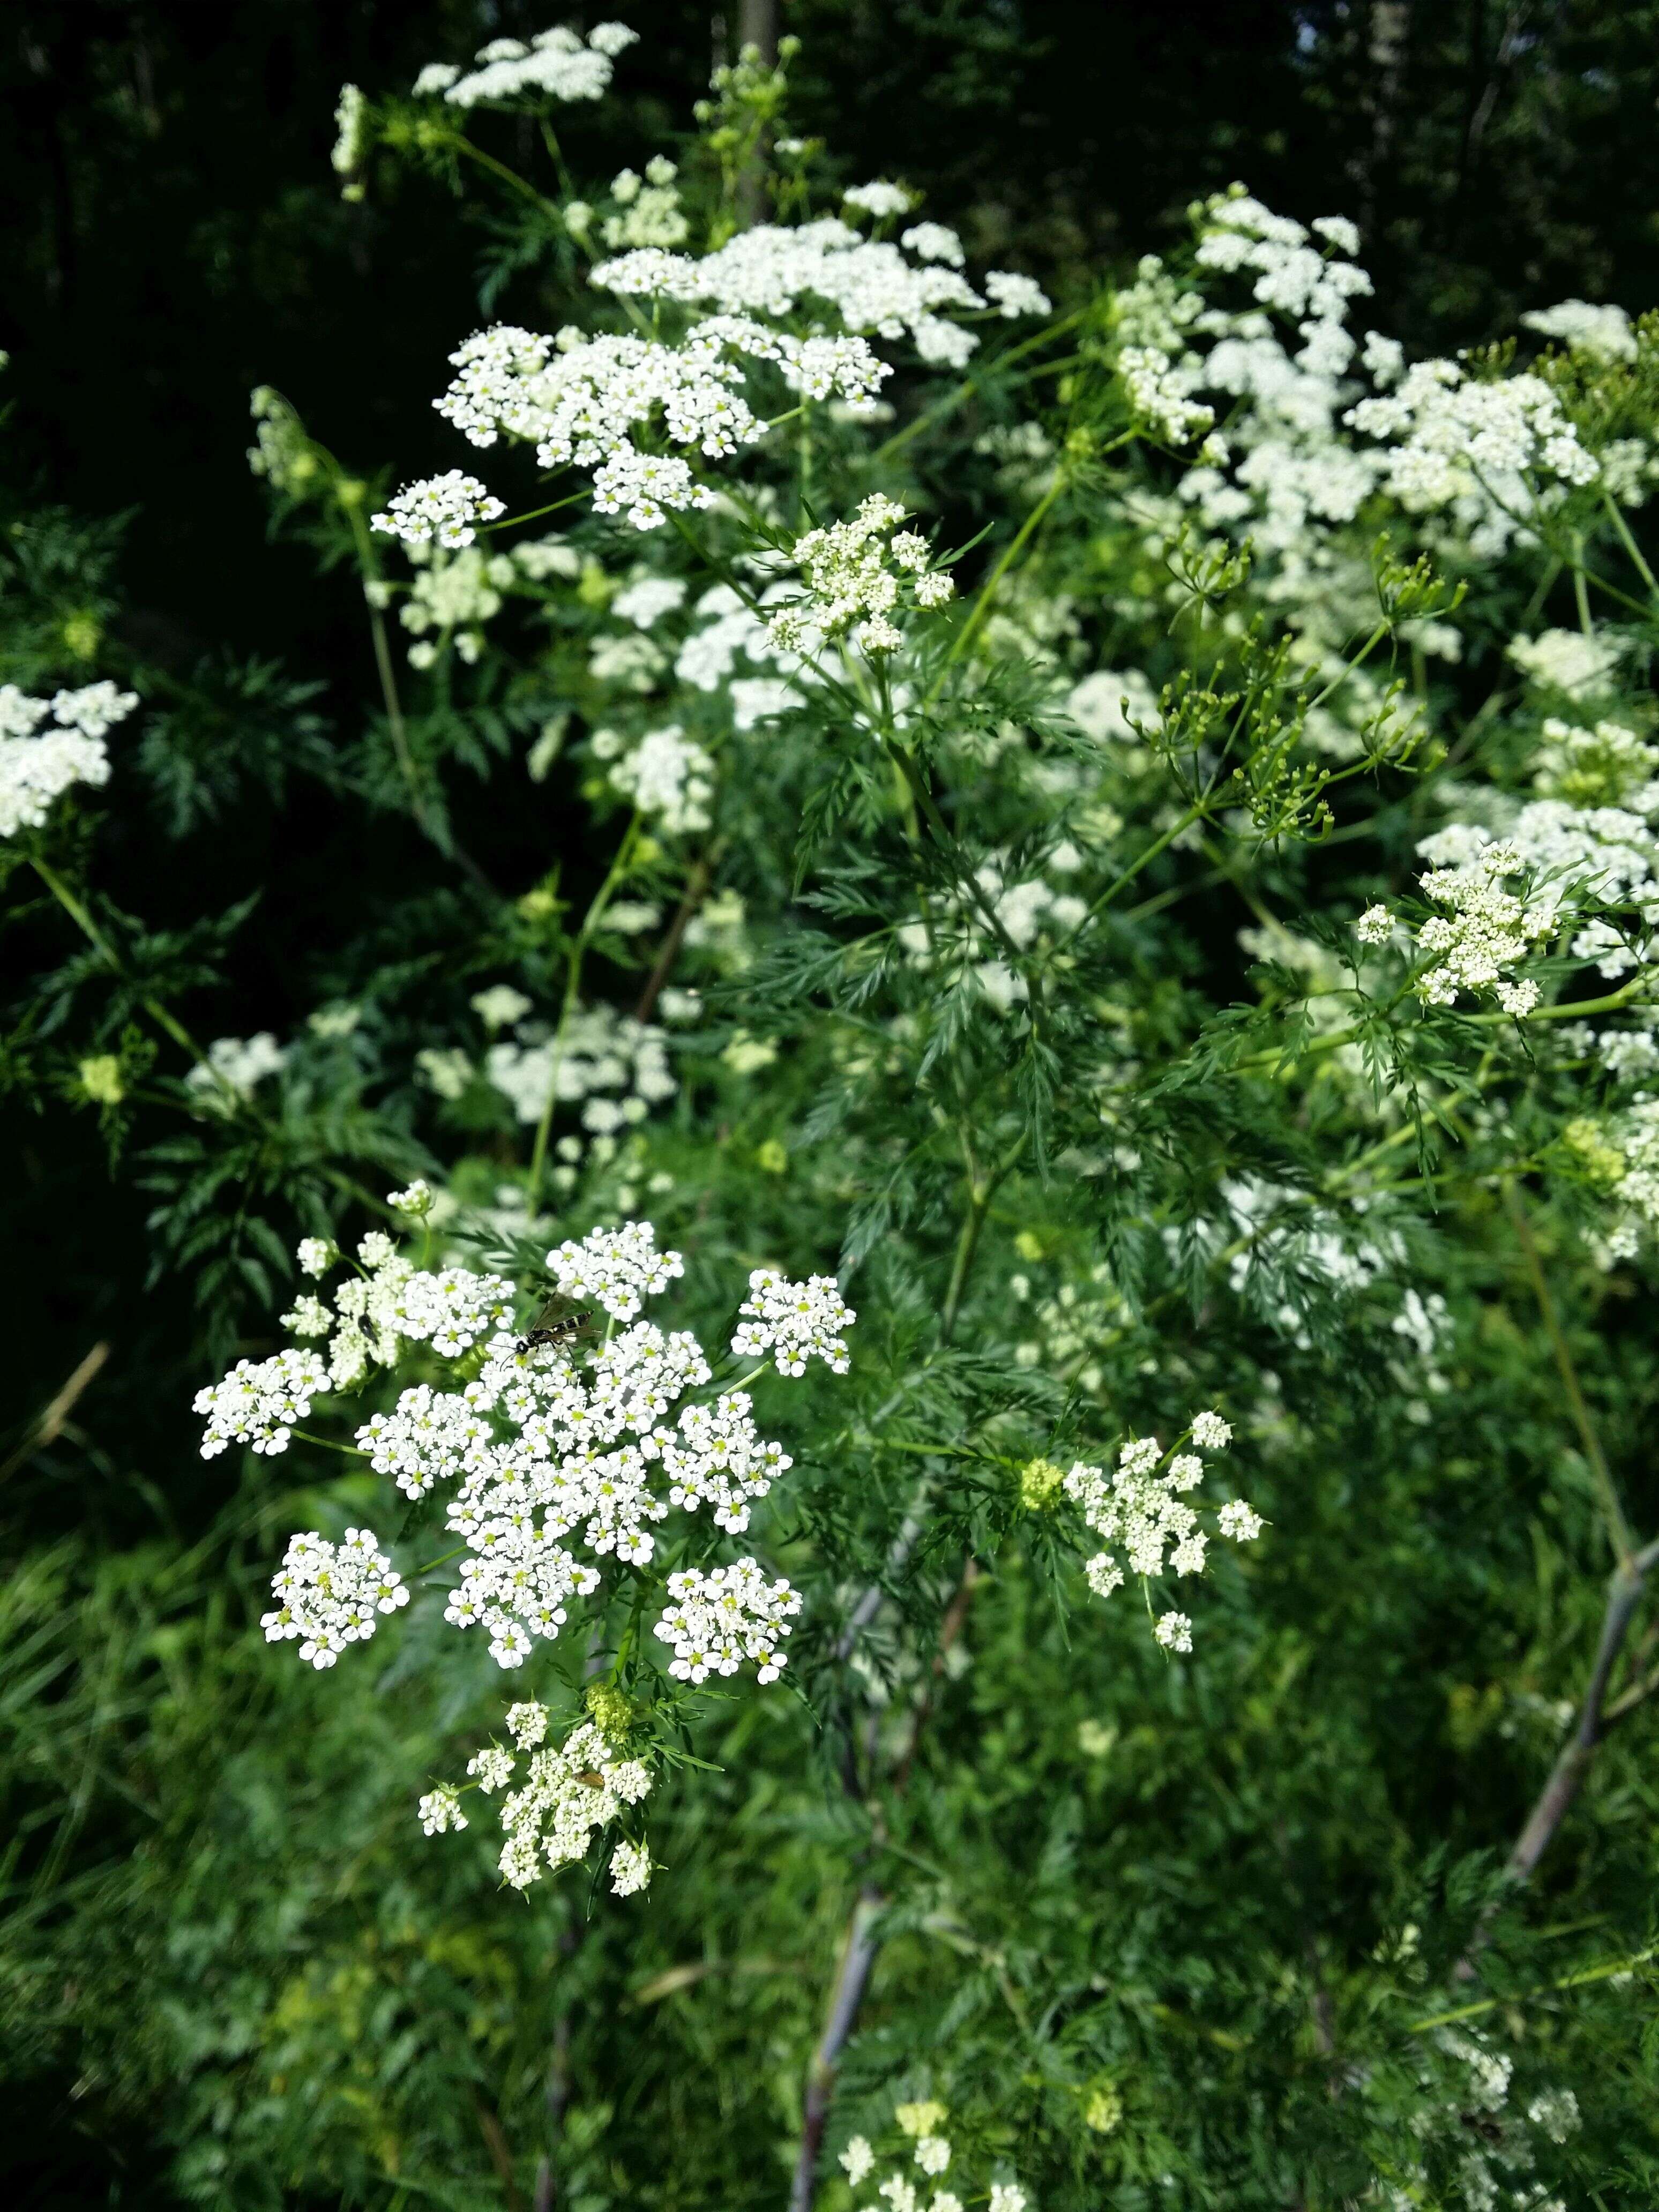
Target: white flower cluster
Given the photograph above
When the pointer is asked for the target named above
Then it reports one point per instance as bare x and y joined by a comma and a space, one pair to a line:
1291, 274
880, 199
1110, 703
1487, 932
619, 1267
667, 776
239, 1064
1596, 334
566, 1465
443, 508
795, 1321
721, 1461
455, 595
855, 571
387, 1302
1480, 2145
613, 1066
1282, 469
1490, 452
37, 765
584, 401
259, 1400
730, 627
331, 1596
953, 934
931, 2151
1160, 393
566, 1792
1604, 854
1636, 1191
646, 600
556, 64
651, 212
1140, 1506
776, 270
535, 1449
1578, 665
717, 1620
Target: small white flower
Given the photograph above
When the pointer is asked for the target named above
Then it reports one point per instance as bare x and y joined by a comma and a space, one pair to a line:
445, 508
1375, 926
316, 1255
439, 1810
631, 1868
795, 1321
857, 2158
500, 1007
492, 1769
1237, 1521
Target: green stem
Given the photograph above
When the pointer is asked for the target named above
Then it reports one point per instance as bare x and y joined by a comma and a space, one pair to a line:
160, 1015
987, 590
1581, 597
619, 868
944, 408
509, 521
387, 673
1572, 1010
1629, 543
1578, 1981
500, 169
980, 1192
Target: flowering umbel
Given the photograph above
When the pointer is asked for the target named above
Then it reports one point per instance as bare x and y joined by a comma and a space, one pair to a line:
544, 1454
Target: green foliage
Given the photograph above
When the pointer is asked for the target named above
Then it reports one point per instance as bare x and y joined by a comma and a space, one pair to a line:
1067, 976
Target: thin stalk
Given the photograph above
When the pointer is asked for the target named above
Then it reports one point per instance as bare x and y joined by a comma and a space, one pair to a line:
987, 590
860, 1945
1629, 543
847, 1992
500, 169
387, 670
162, 1016
619, 868
172, 1027
1618, 1529
535, 514
696, 890
944, 408
1581, 597
1582, 1980
1571, 1009
980, 1194
1624, 1595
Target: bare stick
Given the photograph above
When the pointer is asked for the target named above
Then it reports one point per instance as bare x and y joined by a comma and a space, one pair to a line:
857, 1957
696, 890
1595, 1717
48, 1425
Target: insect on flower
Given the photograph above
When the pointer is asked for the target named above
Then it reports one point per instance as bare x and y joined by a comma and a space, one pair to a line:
551, 1328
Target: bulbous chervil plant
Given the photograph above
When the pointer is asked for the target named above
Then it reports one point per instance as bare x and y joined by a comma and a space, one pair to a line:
1124, 841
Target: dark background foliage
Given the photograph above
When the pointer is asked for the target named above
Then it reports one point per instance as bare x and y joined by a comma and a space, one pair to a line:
175, 237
